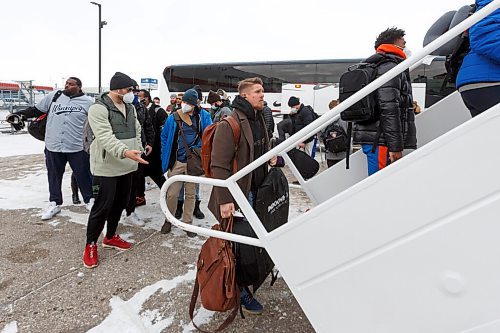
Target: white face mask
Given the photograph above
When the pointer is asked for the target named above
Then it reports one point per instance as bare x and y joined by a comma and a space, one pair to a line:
186, 108
407, 52
293, 111
128, 97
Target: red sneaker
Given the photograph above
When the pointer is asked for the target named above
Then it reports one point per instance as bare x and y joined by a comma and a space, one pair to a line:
140, 201
90, 259
116, 242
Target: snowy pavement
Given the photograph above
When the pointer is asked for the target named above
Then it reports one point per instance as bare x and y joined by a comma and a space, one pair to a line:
45, 288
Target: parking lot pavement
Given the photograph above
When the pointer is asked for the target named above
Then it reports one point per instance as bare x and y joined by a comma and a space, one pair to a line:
45, 288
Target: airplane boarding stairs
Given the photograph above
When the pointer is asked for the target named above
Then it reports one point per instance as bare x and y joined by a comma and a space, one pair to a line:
413, 248
432, 123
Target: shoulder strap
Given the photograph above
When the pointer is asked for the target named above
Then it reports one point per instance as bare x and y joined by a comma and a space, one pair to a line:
54, 98
178, 120
235, 127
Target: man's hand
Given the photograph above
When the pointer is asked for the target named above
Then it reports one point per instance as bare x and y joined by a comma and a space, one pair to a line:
301, 145
135, 155
148, 149
226, 210
395, 155
273, 161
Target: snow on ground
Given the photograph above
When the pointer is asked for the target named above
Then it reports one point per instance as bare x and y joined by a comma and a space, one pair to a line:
31, 191
18, 144
128, 317
10, 328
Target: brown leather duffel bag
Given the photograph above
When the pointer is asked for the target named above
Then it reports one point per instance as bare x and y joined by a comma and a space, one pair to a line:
216, 278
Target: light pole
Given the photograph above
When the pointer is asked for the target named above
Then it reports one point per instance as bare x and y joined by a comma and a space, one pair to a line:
101, 25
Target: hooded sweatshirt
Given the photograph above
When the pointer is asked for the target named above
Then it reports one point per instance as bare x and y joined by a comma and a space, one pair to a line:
259, 133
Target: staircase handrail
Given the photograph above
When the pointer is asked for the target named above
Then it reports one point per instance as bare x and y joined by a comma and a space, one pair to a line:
314, 127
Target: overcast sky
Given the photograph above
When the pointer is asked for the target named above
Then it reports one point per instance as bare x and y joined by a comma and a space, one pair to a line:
47, 41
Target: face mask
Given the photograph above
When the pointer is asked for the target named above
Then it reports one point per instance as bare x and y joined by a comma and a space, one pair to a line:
186, 108
407, 52
293, 111
128, 97
214, 107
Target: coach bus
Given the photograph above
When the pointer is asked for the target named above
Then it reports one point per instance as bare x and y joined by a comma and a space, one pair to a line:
315, 82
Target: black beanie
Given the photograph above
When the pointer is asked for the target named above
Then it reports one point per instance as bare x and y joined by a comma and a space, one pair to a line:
212, 97
293, 101
120, 81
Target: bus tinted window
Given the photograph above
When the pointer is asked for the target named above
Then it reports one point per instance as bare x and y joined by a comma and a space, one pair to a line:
275, 74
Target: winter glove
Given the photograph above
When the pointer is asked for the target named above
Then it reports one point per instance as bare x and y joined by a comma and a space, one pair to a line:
16, 120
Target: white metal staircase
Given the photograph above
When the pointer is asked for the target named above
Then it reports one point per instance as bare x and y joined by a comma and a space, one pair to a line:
412, 248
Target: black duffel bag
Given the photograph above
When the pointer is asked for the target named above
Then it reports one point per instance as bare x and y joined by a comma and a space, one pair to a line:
271, 205
306, 165
253, 263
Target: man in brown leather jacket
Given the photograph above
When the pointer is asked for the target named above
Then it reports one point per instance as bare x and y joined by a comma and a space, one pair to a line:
253, 143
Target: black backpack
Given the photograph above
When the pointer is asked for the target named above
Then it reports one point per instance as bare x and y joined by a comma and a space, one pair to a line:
365, 110
460, 49
335, 139
356, 78
37, 126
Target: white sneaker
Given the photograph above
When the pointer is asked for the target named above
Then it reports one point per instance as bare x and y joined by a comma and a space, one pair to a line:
150, 186
134, 220
52, 210
89, 204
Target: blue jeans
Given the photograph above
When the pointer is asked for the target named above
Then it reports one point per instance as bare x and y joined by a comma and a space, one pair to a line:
197, 194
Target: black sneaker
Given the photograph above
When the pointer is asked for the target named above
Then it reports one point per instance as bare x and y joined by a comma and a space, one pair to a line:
191, 234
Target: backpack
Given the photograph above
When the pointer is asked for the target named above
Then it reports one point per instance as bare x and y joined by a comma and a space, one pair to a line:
208, 138
37, 126
88, 134
456, 49
460, 49
365, 110
216, 278
356, 78
335, 139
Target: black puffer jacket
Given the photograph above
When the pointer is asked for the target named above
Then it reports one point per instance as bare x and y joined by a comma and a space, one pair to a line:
304, 116
394, 107
148, 132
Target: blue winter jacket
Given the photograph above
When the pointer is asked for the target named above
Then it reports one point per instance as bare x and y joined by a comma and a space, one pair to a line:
169, 136
482, 63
